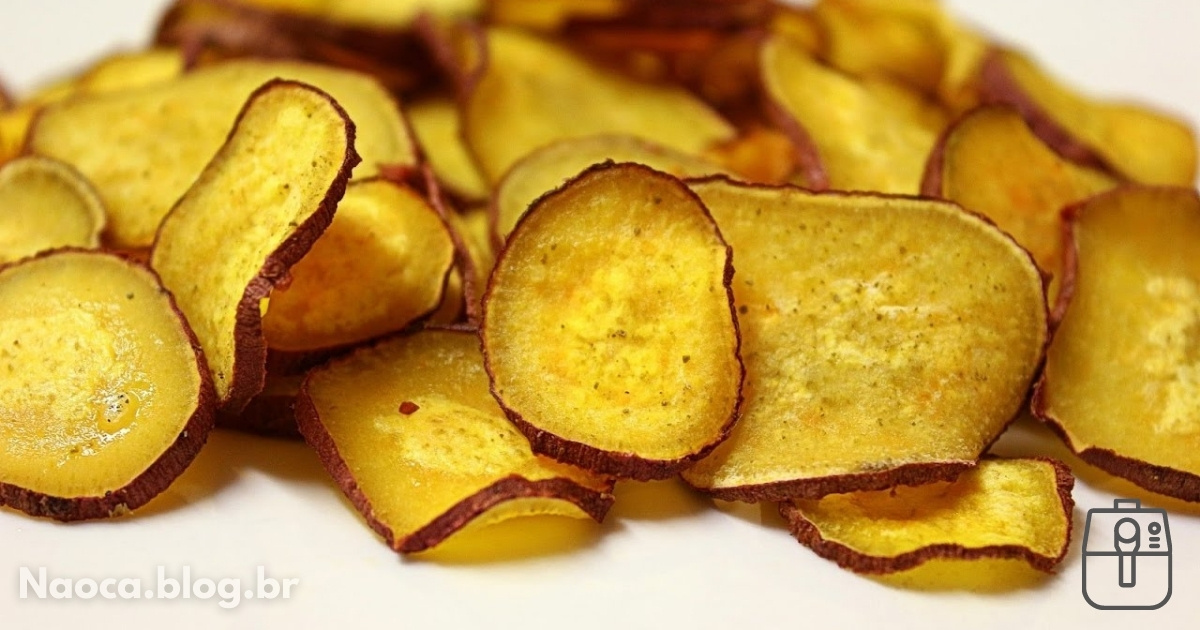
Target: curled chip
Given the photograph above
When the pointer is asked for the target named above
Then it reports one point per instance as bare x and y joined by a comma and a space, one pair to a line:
410, 432
1130, 140
847, 137
1002, 508
435, 123
380, 266
167, 132
608, 328
105, 397
548, 167
46, 204
1121, 383
530, 92
990, 161
887, 340
255, 210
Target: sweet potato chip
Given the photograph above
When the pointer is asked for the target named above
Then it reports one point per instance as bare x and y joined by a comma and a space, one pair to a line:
475, 235
389, 14
105, 397
887, 340
991, 162
1120, 384
412, 435
435, 123
531, 92
1133, 141
380, 266
1002, 508
254, 211
863, 141
549, 15
896, 38
548, 167
167, 132
608, 328
46, 204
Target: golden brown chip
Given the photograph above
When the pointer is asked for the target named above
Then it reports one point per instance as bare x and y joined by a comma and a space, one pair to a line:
105, 397
548, 167
1133, 141
1121, 382
852, 138
411, 433
167, 132
990, 162
46, 204
1002, 508
608, 328
255, 210
380, 266
887, 340
531, 92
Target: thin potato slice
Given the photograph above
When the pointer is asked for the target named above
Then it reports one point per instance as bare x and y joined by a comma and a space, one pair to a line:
380, 266
255, 210
1121, 380
548, 167
131, 70
608, 328
1002, 508
437, 127
412, 435
887, 340
1132, 141
864, 142
105, 398
167, 132
992, 163
46, 204
531, 92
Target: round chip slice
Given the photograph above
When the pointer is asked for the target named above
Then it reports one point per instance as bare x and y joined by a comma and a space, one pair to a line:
105, 398
410, 432
887, 340
1003, 508
608, 328
46, 204
1122, 382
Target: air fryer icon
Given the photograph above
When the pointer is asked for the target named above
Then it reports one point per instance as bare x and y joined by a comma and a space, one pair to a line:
1126, 557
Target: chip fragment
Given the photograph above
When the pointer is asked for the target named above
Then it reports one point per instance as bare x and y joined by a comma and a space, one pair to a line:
46, 204
255, 210
608, 328
1122, 379
887, 340
410, 432
1002, 508
105, 397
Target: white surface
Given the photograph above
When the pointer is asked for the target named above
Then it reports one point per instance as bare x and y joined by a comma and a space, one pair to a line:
664, 557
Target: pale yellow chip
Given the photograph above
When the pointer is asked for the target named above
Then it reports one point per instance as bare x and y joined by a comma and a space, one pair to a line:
46, 204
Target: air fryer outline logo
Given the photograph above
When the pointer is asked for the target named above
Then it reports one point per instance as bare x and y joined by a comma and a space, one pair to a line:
1136, 533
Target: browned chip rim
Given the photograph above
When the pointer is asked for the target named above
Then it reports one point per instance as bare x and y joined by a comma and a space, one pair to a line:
905, 474
594, 503
1164, 480
250, 345
624, 465
998, 85
159, 475
809, 536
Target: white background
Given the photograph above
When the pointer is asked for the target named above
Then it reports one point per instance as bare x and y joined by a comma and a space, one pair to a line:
664, 557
